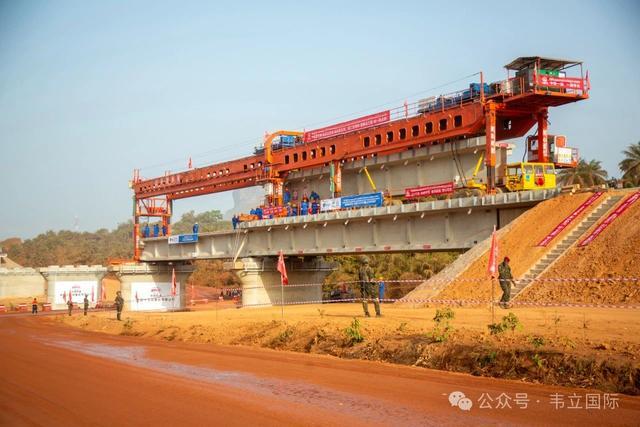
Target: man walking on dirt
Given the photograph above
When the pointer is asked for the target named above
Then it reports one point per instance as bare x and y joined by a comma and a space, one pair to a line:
119, 304
368, 288
86, 304
70, 305
506, 281
34, 306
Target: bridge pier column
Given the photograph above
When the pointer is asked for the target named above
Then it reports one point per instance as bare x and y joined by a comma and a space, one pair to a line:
147, 287
261, 280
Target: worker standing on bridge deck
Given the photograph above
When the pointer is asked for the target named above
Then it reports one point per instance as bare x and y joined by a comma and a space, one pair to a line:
86, 304
156, 230
145, 231
34, 306
119, 304
196, 228
506, 281
368, 288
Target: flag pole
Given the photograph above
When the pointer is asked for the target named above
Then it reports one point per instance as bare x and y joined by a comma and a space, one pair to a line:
281, 299
493, 314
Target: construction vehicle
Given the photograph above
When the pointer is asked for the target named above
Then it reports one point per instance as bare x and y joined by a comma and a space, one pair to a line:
530, 176
497, 111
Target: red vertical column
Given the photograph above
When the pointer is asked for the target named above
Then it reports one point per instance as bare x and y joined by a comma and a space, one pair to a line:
543, 145
490, 154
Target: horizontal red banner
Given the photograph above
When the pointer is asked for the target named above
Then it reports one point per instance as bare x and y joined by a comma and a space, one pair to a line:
429, 190
610, 218
568, 220
346, 127
562, 82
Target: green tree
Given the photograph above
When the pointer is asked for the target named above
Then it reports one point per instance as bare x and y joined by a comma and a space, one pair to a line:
208, 221
585, 174
630, 166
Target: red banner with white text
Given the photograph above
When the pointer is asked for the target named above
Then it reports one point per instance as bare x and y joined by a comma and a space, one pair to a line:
610, 218
429, 190
561, 82
346, 127
568, 220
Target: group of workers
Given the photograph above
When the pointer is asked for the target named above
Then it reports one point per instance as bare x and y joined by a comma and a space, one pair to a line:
146, 231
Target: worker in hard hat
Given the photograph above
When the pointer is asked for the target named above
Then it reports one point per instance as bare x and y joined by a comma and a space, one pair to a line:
368, 287
506, 281
34, 306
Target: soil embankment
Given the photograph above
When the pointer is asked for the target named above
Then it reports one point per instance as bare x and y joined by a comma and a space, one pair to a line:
519, 244
615, 253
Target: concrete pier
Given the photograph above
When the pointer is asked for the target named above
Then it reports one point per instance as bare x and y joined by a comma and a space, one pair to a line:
147, 287
261, 280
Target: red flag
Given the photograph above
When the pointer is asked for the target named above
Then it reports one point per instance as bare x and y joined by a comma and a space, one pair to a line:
104, 292
173, 282
283, 270
92, 294
492, 268
64, 296
190, 164
137, 301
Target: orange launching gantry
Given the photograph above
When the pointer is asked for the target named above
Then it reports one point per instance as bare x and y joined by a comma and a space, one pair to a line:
500, 111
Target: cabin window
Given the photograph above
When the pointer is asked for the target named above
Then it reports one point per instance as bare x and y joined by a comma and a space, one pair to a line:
304, 156
428, 127
332, 149
323, 151
443, 124
313, 153
415, 130
295, 157
378, 139
402, 133
390, 136
366, 141
286, 159
457, 121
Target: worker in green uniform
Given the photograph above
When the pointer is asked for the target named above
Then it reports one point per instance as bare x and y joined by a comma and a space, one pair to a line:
86, 304
368, 287
70, 305
506, 281
119, 304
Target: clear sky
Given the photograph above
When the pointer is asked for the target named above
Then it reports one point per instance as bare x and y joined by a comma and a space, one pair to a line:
91, 90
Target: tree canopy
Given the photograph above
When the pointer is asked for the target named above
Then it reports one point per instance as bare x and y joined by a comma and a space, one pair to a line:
630, 165
585, 174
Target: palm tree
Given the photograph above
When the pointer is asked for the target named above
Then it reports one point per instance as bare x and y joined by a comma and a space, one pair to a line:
585, 174
630, 166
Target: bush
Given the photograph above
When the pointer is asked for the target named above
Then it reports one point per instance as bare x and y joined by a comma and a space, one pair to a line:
353, 333
442, 329
509, 322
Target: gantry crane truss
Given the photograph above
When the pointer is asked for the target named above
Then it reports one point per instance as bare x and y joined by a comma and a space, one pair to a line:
509, 110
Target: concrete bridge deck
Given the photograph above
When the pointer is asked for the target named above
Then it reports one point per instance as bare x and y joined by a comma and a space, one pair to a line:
453, 224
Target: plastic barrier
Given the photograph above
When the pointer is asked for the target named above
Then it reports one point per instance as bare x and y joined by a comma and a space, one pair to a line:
46, 306
21, 307
3, 308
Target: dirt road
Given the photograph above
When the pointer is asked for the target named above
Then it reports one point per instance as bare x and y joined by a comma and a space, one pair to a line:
53, 375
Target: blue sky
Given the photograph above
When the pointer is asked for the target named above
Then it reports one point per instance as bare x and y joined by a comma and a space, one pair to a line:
91, 90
